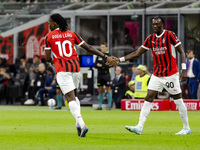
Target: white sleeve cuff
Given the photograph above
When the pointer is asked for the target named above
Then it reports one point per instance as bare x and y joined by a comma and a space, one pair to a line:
81, 43
145, 47
177, 44
183, 66
122, 59
47, 48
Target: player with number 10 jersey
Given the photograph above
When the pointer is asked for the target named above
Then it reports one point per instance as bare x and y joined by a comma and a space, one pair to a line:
62, 45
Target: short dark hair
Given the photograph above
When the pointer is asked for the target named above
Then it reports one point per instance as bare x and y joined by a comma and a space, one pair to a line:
60, 21
3, 66
22, 57
36, 56
159, 17
189, 51
50, 69
104, 43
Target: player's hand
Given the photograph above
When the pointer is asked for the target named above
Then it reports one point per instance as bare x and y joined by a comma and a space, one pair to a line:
117, 61
112, 61
48, 87
53, 82
183, 75
99, 65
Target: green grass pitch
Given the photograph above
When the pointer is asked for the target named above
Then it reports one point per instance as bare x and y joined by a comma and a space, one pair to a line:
39, 128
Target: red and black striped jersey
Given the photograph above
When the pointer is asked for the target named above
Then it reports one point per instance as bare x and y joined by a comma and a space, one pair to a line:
163, 50
62, 45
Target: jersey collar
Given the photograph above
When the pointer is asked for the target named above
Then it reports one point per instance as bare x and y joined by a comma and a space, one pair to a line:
160, 34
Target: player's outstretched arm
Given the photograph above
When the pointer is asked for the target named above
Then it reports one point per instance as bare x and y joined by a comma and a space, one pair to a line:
132, 55
183, 75
93, 50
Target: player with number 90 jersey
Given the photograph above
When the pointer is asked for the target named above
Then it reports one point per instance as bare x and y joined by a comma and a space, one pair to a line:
164, 54
62, 45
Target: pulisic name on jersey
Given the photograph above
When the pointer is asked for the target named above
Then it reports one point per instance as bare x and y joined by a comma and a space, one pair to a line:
61, 35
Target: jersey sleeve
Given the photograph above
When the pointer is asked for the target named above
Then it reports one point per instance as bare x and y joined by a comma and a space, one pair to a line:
47, 44
174, 39
146, 45
78, 40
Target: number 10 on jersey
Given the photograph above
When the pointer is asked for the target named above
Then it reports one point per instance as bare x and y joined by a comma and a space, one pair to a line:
62, 48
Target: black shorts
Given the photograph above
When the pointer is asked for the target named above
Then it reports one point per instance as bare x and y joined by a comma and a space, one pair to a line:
103, 79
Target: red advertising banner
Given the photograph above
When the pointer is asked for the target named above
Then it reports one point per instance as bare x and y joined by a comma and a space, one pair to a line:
189, 103
158, 105
32, 40
136, 104
6, 48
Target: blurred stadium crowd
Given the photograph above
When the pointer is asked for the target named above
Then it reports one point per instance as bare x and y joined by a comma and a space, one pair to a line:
33, 82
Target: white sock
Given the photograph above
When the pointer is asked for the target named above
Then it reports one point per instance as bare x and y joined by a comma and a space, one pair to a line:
74, 108
79, 105
78, 102
183, 112
146, 108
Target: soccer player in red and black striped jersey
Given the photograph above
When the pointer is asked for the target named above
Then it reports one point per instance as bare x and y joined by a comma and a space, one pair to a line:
61, 43
163, 45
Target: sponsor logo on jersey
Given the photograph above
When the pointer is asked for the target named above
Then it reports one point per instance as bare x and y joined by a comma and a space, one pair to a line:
159, 50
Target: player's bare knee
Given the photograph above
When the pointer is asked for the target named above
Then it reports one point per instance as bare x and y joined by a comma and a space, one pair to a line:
70, 96
69, 99
149, 99
177, 96
100, 89
150, 96
58, 91
108, 89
